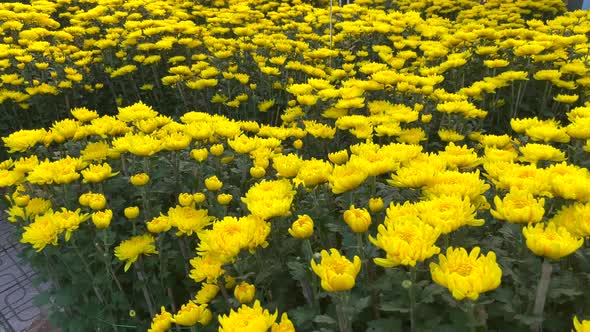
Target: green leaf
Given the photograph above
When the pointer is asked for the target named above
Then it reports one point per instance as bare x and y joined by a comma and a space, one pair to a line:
297, 269
301, 315
428, 293
324, 319
359, 304
42, 299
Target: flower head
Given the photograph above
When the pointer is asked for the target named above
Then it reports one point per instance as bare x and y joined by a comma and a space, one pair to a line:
98, 173
336, 272
130, 250
406, 240
244, 292
466, 275
247, 318
551, 241
357, 219
302, 228
161, 322
191, 314
519, 206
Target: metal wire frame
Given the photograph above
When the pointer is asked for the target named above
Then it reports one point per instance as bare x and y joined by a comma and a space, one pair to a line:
17, 291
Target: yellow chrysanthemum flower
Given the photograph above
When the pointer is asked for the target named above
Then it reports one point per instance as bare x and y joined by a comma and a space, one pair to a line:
41, 232
188, 219
520, 207
466, 275
302, 228
550, 240
268, 199
247, 318
207, 293
130, 250
406, 240
161, 322
448, 213
98, 173
190, 314
336, 272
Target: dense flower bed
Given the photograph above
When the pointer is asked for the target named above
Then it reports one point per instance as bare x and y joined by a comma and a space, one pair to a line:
254, 166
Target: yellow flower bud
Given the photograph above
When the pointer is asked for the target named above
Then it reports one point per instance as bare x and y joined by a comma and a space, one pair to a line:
212, 183
102, 219
97, 202
245, 292
216, 150
228, 159
376, 204
199, 155
140, 179
224, 199
84, 199
426, 118
199, 198
338, 157
185, 199
298, 144
131, 212
302, 228
159, 225
257, 172
358, 220
22, 200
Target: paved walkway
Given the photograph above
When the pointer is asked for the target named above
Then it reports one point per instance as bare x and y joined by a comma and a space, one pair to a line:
17, 311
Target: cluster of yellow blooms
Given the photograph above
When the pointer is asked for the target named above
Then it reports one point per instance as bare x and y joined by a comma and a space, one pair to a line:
388, 99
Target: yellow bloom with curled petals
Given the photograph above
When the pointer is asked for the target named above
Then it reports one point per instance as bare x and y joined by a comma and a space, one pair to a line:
130, 250
347, 177
284, 326
448, 213
466, 275
188, 219
247, 318
139, 179
519, 207
405, 240
336, 272
213, 183
206, 267
158, 225
375, 204
268, 199
41, 232
550, 240
357, 219
161, 322
131, 212
302, 228
207, 293
98, 173
102, 219
190, 314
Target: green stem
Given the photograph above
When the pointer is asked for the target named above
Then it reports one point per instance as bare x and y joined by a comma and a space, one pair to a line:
144, 289
472, 317
412, 291
89, 272
343, 319
541, 296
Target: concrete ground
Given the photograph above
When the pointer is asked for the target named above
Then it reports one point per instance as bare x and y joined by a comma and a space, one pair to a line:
17, 311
